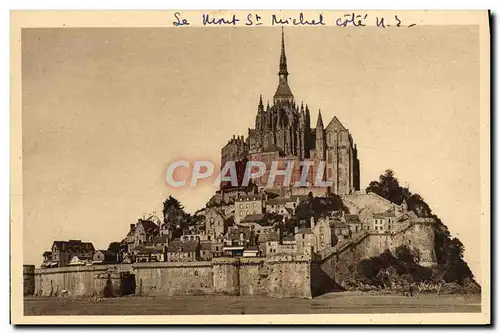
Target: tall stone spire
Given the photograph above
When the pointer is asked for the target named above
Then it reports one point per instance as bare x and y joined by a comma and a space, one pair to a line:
283, 67
283, 93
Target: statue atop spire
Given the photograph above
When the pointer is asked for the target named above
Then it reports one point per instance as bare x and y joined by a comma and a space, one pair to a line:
283, 93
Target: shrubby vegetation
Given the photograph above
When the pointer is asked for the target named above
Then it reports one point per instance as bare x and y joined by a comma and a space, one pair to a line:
449, 250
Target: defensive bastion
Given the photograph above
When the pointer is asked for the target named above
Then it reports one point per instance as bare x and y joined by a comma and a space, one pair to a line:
282, 276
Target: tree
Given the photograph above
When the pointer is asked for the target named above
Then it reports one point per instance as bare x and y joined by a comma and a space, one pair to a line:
115, 247
448, 250
173, 210
388, 187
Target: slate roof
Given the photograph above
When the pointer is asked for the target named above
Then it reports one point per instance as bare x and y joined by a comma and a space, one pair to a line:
283, 90
74, 246
148, 225
338, 224
234, 233
276, 201
254, 217
299, 197
148, 250
178, 246
352, 219
305, 230
251, 197
160, 239
206, 246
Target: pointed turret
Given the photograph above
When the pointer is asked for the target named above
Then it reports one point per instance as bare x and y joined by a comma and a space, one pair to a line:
320, 138
319, 124
261, 105
404, 205
283, 93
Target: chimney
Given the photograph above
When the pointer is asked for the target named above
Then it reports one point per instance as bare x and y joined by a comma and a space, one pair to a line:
241, 236
296, 229
132, 226
312, 222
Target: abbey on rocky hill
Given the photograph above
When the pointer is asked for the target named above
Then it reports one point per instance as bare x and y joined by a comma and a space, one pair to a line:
283, 133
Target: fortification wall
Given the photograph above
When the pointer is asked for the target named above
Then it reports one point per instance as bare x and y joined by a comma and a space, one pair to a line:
418, 237
28, 280
289, 276
281, 276
77, 281
253, 276
173, 278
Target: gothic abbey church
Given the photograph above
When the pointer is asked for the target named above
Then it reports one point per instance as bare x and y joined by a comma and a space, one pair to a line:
283, 133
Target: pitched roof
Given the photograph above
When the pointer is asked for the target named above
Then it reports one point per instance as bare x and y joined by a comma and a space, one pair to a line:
148, 225
299, 197
338, 224
206, 246
234, 233
160, 239
254, 217
148, 250
352, 219
305, 230
273, 236
289, 238
335, 124
179, 247
276, 201
74, 246
249, 197
283, 90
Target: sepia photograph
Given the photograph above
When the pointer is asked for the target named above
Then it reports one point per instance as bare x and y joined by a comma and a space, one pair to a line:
250, 167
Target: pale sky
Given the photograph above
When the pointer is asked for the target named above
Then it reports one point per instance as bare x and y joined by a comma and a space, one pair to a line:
106, 110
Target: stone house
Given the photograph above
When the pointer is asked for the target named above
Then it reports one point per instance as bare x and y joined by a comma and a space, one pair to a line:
288, 245
269, 243
64, 251
305, 238
160, 242
186, 251
104, 257
354, 223
341, 230
324, 232
239, 236
148, 253
248, 205
214, 222
280, 204
144, 231
206, 251
217, 246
